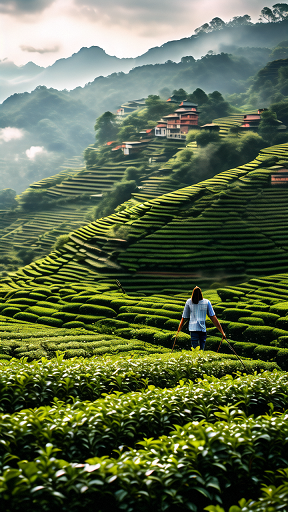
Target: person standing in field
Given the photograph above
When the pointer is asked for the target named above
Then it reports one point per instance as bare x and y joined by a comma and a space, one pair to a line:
196, 310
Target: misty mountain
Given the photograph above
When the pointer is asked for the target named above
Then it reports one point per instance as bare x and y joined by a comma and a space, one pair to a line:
41, 129
260, 35
89, 63
69, 73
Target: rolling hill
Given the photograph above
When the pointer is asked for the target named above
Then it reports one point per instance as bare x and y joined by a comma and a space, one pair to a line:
225, 227
254, 42
60, 123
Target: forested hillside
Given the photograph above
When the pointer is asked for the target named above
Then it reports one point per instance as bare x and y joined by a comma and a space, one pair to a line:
61, 203
59, 124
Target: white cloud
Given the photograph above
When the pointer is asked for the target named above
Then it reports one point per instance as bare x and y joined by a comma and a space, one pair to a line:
31, 49
9, 133
32, 152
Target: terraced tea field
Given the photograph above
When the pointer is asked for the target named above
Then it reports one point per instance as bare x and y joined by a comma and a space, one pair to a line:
129, 425
40, 321
81, 190
97, 412
229, 226
78, 191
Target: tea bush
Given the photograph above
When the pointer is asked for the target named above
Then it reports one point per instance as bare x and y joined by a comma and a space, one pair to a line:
49, 320
251, 320
103, 403
256, 334
122, 420
24, 385
173, 473
11, 311
26, 317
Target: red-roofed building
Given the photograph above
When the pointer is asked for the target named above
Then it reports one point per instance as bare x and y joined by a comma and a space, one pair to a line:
117, 147
281, 178
251, 121
177, 125
148, 133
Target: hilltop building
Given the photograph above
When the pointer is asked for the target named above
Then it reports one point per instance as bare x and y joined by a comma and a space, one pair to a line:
211, 127
177, 125
129, 107
251, 121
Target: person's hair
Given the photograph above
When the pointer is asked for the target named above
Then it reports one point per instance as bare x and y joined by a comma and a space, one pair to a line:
196, 295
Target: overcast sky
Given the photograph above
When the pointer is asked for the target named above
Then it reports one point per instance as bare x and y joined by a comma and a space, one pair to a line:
43, 31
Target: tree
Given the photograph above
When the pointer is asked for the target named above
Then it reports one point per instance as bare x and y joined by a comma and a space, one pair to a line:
267, 14
180, 94
198, 96
206, 137
106, 127
268, 125
134, 173
216, 96
120, 193
217, 24
280, 11
127, 132
203, 28
240, 20
281, 110
156, 108
191, 135
7, 199
189, 59
280, 51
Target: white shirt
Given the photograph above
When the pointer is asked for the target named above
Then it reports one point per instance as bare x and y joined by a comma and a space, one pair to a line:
197, 314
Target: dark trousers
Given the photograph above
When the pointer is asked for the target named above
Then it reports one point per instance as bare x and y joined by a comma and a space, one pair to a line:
198, 337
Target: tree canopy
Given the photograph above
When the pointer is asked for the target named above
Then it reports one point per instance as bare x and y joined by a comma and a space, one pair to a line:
106, 127
279, 12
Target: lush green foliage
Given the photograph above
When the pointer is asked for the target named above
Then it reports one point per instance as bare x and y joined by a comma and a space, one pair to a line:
126, 418
34, 384
245, 452
209, 441
106, 127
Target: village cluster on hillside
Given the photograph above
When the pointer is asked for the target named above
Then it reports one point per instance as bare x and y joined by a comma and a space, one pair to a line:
177, 124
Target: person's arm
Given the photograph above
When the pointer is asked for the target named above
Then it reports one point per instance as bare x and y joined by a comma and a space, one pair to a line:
181, 324
185, 316
217, 324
